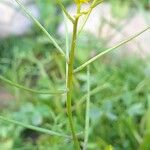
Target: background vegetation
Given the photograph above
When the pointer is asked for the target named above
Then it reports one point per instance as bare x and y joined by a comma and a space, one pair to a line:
120, 101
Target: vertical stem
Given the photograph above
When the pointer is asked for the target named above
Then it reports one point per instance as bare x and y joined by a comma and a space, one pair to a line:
87, 118
70, 80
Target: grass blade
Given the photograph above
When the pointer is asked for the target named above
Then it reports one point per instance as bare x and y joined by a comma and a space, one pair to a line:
41, 27
28, 89
42, 130
87, 115
109, 50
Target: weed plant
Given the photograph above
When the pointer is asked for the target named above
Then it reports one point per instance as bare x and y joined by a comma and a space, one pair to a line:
70, 79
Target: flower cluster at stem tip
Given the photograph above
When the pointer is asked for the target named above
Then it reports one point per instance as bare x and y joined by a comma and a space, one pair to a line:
81, 1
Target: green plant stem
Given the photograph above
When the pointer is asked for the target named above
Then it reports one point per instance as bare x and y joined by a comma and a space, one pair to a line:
94, 4
70, 81
87, 114
28, 89
42, 130
92, 92
52, 40
109, 50
65, 11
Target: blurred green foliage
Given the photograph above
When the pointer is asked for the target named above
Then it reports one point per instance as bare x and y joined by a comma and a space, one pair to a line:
120, 101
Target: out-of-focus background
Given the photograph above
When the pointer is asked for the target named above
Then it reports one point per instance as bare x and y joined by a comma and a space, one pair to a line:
120, 91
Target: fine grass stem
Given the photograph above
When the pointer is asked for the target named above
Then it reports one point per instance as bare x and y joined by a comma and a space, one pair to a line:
87, 114
28, 89
65, 11
42, 130
42, 28
94, 4
109, 50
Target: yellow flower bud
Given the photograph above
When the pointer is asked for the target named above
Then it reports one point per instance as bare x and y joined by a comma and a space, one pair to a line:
81, 1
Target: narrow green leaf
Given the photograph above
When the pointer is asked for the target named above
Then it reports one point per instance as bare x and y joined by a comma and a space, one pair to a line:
28, 89
42, 130
41, 27
109, 50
